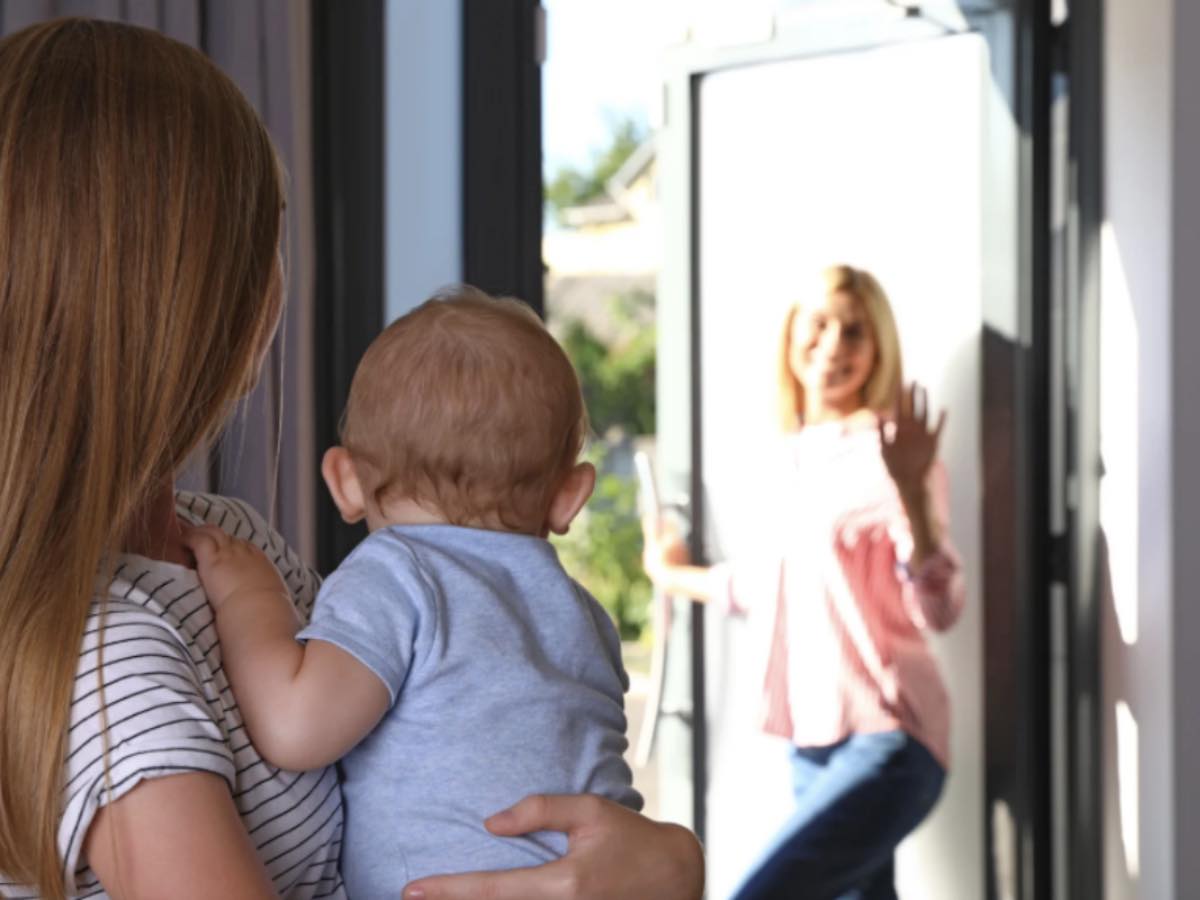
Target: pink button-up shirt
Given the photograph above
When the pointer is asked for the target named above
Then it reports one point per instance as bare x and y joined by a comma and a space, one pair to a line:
848, 652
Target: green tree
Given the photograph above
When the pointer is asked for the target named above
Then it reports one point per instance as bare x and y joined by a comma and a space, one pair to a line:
571, 187
603, 550
617, 379
604, 546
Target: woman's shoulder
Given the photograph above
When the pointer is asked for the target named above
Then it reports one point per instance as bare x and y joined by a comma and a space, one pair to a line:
232, 515
241, 520
147, 700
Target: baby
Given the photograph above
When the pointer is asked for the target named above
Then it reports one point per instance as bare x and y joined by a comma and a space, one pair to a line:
451, 664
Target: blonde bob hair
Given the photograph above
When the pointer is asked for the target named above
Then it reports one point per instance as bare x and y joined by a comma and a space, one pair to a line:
886, 377
140, 205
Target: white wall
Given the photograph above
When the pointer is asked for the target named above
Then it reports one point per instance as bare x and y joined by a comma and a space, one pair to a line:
423, 202
1150, 498
873, 158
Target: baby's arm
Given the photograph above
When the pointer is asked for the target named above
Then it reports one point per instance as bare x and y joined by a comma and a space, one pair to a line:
305, 705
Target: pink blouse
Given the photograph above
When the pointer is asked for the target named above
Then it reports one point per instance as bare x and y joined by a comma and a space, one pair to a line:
848, 651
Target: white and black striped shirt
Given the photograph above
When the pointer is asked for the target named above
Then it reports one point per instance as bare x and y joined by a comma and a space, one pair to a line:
170, 710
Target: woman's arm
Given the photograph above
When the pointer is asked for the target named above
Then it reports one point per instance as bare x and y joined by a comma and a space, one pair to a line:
612, 852
923, 524
178, 836
933, 590
908, 443
934, 593
668, 564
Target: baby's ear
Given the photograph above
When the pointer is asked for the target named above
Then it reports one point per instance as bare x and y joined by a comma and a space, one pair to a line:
571, 497
337, 468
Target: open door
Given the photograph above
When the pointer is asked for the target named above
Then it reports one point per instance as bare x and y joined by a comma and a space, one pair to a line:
917, 143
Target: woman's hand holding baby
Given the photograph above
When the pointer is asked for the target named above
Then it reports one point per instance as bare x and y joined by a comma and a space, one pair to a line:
613, 852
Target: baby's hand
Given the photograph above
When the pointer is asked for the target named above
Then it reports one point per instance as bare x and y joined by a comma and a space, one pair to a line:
228, 566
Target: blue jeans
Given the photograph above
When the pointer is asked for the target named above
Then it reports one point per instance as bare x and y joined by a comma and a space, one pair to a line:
855, 801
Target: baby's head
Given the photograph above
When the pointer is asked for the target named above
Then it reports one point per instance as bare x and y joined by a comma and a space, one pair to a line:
464, 411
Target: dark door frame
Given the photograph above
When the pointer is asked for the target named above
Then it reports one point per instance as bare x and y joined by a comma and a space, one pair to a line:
503, 49
348, 162
1080, 55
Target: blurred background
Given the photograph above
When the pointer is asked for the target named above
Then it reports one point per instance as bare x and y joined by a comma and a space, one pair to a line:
656, 177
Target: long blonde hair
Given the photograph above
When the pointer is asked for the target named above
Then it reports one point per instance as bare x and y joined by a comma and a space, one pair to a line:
140, 200
887, 374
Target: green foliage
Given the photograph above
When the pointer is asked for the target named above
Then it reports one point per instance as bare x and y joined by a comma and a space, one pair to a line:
570, 187
603, 550
604, 547
618, 380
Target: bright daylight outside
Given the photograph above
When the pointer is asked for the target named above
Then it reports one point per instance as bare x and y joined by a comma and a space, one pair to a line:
601, 250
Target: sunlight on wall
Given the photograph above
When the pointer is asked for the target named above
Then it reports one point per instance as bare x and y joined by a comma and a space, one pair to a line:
1004, 842
1128, 794
1119, 441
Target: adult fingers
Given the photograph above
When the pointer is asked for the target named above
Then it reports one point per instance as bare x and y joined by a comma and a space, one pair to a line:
898, 403
549, 882
941, 423
548, 812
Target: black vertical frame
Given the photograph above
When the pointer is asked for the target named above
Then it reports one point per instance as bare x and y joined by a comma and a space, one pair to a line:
1049, 381
348, 160
503, 46
1085, 551
1019, 547
1034, 539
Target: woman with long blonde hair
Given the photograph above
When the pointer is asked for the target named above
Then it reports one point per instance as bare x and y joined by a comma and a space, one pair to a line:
860, 569
140, 285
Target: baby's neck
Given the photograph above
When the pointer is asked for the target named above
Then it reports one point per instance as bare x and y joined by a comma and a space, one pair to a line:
405, 512
409, 512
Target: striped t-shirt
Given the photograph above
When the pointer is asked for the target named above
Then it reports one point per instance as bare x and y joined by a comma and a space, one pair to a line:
170, 710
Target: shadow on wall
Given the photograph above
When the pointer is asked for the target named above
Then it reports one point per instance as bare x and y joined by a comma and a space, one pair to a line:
1000, 362
1122, 851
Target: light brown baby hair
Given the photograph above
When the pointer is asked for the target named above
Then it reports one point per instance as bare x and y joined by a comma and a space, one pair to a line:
467, 405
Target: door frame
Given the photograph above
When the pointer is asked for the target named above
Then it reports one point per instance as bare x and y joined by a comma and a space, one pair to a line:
1021, 561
